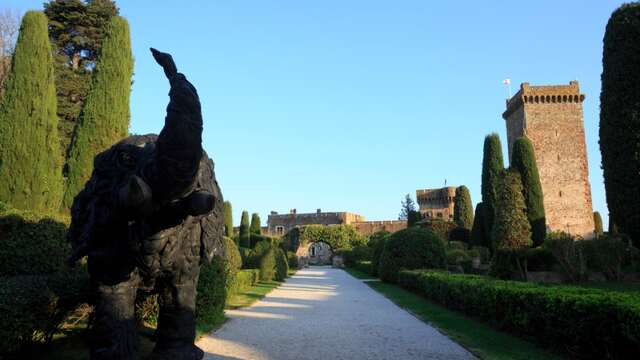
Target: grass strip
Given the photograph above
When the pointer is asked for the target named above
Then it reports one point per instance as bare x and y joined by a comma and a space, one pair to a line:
481, 339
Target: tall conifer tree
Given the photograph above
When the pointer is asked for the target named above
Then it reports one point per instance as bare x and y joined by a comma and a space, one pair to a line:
30, 154
245, 236
256, 227
228, 220
478, 235
511, 228
523, 159
463, 208
620, 119
492, 167
105, 117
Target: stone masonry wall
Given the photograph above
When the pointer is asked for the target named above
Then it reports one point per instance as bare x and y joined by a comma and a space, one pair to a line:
370, 227
551, 117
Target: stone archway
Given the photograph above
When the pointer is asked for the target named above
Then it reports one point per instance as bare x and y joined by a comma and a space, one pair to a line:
315, 253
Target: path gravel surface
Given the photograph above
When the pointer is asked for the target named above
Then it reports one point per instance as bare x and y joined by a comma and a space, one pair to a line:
325, 313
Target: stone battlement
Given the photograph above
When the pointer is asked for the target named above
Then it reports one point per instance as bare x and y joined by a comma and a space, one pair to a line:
544, 94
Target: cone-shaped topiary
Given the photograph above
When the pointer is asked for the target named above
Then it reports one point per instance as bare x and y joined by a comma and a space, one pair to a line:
255, 227
245, 240
30, 155
523, 159
492, 166
105, 117
463, 208
511, 229
597, 221
620, 119
228, 220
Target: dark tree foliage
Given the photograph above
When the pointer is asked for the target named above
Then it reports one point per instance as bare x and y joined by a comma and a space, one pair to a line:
105, 117
245, 240
76, 29
523, 159
413, 218
228, 220
30, 156
256, 227
463, 208
511, 229
492, 166
597, 221
620, 119
478, 234
406, 208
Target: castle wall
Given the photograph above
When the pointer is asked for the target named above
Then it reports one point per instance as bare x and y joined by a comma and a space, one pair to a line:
551, 117
280, 224
370, 227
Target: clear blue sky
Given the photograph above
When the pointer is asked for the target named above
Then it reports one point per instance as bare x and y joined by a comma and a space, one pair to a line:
349, 105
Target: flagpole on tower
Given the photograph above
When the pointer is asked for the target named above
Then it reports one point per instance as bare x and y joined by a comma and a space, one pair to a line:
507, 83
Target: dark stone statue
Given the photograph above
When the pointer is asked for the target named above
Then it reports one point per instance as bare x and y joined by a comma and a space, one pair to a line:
148, 217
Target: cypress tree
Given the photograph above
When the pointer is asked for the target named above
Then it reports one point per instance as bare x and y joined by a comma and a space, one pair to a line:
30, 154
463, 208
228, 220
478, 235
245, 240
256, 227
524, 161
620, 119
511, 229
492, 167
597, 220
105, 117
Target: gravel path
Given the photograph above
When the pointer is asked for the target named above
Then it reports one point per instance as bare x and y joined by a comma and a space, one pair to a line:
325, 313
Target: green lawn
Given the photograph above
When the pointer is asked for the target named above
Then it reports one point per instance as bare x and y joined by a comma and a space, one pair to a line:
251, 295
479, 338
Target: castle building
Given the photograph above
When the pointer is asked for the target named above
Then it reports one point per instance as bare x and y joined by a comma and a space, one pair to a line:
436, 203
280, 224
551, 117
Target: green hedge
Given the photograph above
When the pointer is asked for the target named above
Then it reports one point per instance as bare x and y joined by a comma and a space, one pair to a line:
37, 289
364, 266
292, 260
583, 323
268, 265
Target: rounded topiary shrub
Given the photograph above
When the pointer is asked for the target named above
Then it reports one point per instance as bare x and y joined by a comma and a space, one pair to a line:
212, 292
282, 266
412, 248
378, 247
233, 263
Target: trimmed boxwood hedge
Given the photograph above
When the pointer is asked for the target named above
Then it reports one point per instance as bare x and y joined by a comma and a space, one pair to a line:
583, 323
246, 279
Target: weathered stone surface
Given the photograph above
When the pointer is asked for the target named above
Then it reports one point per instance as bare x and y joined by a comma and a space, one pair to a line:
437, 203
551, 117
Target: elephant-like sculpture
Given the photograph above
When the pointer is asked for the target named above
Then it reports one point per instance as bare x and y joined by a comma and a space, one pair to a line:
150, 214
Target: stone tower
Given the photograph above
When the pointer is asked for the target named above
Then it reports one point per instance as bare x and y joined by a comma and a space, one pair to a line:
551, 117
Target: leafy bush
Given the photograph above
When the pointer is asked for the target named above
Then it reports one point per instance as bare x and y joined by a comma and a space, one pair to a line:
282, 266
457, 257
609, 254
245, 255
460, 234
233, 263
377, 247
456, 245
292, 259
256, 238
37, 289
411, 248
440, 227
583, 323
358, 253
268, 265
33, 307
363, 266
485, 254
212, 291
569, 253
246, 279
511, 228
